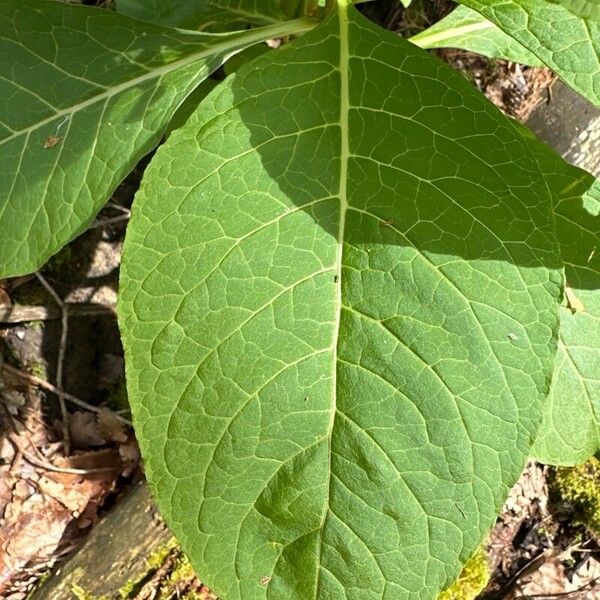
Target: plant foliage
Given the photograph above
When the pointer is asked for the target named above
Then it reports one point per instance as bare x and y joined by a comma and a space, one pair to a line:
563, 34
342, 281
466, 28
86, 93
361, 336
570, 429
213, 15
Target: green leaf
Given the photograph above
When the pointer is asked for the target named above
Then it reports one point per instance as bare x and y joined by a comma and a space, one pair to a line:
240, 59
563, 34
467, 29
190, 104
338, 301
85, 94
570, 430
211, 15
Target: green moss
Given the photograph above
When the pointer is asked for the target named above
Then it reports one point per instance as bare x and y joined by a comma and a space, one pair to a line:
182, 572
153, 562
36, 325
158, 557
81, 594
127, 590
38, 369
38, 584
472, 580
580, 487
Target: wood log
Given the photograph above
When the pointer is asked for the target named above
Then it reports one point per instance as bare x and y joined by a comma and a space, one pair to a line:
24, 314
115, 554
571, 125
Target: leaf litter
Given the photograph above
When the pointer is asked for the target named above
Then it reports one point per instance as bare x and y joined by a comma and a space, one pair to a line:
49, 497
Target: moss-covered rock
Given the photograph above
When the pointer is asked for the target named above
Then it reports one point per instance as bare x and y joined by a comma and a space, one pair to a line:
580, 488
472, 580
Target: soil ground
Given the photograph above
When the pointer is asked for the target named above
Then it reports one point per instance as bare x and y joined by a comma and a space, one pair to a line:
60, 476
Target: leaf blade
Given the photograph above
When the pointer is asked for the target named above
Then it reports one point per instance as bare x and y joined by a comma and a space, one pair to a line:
333, 430
569, 432
211, 15
563, 35
466, 29
80, 114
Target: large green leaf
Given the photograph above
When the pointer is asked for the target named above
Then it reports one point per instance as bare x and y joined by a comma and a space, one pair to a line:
570, 430
563, 34
467, 29
338, 301
212, 15
85, 94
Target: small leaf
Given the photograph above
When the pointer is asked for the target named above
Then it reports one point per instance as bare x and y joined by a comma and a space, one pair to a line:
467, 29
563, 34
85, 94
319, 278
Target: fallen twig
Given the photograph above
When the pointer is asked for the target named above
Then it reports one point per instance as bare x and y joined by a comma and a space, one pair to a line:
109, 221
51, 388
25, 314
62, 349
48, 466
533, 564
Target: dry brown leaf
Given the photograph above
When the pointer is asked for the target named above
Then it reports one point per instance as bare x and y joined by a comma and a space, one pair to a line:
81, 493
4, 298
549, 578
111, 427
84, 430
32, 538
130, 456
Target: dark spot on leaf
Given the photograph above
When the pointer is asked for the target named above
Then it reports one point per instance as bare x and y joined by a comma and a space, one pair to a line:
51, 141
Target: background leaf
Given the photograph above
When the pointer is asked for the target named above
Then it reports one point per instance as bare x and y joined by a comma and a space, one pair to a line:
338, 302
570, 430
564, 34
86, 93
467, 29
212, 15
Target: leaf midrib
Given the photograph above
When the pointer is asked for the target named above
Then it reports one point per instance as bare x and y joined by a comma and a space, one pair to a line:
425, 41
254, 36
344, 60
